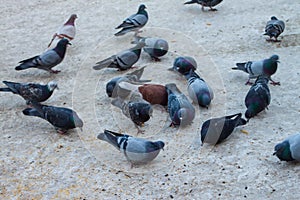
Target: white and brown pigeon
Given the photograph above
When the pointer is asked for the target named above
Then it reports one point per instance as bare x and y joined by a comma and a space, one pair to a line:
67, 31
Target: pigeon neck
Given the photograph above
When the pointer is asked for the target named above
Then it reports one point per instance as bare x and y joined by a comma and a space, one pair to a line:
71, 21
270, 67
137, 50
60, 49
143, 12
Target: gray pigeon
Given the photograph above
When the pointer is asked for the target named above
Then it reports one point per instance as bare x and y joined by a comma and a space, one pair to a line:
184, 64
181, 111
258, 97
137, 109
112, 87
155, 47
266, 67
289, 149
274, 28
205, 3
123, 60
215, 130
61, 118
199, 91
135, 22
30, 91
136, 150
48, 59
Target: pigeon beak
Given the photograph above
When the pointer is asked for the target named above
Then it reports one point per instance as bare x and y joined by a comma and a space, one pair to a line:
69, 43
278, 61
81, 129
274, 153
57, 87
171, 69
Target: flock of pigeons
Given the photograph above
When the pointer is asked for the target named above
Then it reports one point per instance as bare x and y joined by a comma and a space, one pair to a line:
135, 96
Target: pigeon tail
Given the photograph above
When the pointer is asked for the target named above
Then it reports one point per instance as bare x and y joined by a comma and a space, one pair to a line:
240, 66
190, 2
32, 112
109, 137
5, 90
104, 63
123, 31
23, 66
11, 86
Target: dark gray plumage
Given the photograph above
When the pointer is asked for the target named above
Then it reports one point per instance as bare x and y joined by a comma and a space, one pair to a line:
274, 28
199, 91
205, 3
215, 130
48, 59
181, 111
258, 97
61, 118
136, 150
266, 67
112, 87
123, 60
289, 149
135, 22
184, 64
136, 109
30, 91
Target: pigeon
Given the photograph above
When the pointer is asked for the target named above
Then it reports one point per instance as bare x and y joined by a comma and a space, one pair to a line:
266, 67
31, 91
258, 97
112, 87
136, 150
216, 130
67, 31
205, 3
274, 28
123, 60
134, 23
155, 47
154, 94
181, 111
289, 149
137, 109
48, 59
184, 64
61, 118
199, 91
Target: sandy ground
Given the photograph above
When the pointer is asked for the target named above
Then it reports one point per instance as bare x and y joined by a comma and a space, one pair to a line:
38, 163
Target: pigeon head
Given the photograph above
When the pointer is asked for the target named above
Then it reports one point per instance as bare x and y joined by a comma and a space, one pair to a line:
142, 7
77, 121
184, 64
283, 152
273, 18
170, 87
52, 85
160, 144
275, 58
71, 20
249, 113
204, 100
161, 47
